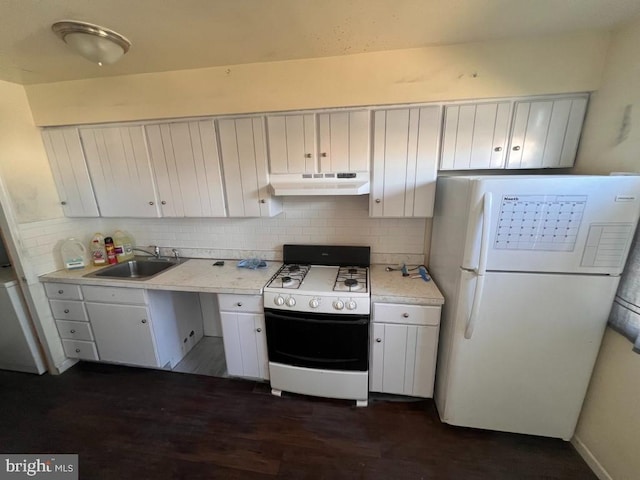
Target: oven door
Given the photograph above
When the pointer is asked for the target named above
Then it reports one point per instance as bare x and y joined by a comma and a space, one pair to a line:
318, 340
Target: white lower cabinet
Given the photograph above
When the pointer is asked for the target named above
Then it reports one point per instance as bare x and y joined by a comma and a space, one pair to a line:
404, 345
244, 336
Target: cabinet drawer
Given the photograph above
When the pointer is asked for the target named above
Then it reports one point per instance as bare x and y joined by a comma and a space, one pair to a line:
68, 310
406, 314
113, 294
63, 291
80, 349
74, 330
240, 303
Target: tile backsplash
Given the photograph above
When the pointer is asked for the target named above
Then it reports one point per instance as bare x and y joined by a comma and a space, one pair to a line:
307, 220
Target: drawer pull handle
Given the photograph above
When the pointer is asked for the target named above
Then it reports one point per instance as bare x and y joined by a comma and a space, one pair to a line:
143, 320
60, 292
258, 330
378, 340
405, 315
66, 310
72, 331
77, 350
239, 304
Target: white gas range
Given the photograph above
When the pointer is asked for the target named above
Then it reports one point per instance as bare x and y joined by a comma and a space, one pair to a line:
317, 322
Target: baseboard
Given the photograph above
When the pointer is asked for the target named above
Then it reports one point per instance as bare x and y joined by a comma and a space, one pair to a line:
590, 459
66, 365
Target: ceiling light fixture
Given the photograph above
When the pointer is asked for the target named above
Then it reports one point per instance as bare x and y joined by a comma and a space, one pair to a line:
95, 43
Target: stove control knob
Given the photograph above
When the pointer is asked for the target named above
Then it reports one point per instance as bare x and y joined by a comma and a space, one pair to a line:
291, 302
351, 305
278, 301
338, 304
314, 303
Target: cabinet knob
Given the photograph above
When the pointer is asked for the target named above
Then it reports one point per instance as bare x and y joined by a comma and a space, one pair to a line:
258, 330
63, 203
77, 350
405, 315
163, 202
239, 304
497, 149
323, 154
516, 148
378, 200
263, 201
72, 331
66, 310
60, 292
307, 155
150, 203
378, 340
143, 320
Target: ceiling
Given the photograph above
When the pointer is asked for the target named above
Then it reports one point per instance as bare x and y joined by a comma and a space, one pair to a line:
185, 34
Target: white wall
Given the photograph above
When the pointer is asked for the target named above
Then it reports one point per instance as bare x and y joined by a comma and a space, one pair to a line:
568, 63
609, 427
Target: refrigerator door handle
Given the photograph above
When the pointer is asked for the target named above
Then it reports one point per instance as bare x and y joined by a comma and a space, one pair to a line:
475, 307
486, 230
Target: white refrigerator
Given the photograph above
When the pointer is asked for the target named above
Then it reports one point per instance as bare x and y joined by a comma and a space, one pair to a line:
529, 267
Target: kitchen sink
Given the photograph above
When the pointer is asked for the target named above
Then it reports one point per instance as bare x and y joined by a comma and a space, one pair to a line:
137, 269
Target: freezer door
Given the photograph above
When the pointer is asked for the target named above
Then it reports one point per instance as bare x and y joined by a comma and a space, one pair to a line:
528, 361
552, 223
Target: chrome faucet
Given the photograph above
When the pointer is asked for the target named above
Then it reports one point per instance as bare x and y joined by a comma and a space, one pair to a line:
156, 251
176, 254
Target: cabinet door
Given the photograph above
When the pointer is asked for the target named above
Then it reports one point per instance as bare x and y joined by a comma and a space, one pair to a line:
243, 149
405, 162
70, 172
546, 133
187, 169
123, 333
245, 344
120, 170
344, 141
403, 359
475, 136
292, 143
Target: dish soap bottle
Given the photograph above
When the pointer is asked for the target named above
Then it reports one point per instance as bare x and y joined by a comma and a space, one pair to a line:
73, 254
123, 245
97, 250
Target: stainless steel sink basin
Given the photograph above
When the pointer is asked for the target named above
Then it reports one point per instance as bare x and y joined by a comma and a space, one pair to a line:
137, 269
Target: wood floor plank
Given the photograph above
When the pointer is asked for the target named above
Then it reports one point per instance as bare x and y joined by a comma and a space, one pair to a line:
129, 423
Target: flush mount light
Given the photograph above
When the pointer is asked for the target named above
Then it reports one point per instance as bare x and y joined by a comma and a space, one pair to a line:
95, 43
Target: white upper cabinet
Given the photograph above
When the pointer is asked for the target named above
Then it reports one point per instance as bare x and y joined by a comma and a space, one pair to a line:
244, 160
70, 173
531, 133
475, 136
120, 169
405, 162
319, 143
546, 133
292, 143
187, 170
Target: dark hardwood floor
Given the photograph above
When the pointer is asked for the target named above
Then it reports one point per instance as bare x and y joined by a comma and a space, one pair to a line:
128, 423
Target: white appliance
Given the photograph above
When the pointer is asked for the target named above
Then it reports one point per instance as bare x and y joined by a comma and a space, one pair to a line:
529, 267
317, 313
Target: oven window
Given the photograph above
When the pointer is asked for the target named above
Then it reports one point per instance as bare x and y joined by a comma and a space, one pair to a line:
330, 342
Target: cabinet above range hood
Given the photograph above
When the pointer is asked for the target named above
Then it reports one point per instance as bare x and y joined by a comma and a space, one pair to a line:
350, 183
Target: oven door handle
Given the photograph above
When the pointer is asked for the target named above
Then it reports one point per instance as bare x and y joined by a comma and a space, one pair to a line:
360, 321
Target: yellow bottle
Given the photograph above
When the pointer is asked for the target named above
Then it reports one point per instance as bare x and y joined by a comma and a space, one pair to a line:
124, 246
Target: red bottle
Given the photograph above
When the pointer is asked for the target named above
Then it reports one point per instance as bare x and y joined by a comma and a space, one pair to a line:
111, 250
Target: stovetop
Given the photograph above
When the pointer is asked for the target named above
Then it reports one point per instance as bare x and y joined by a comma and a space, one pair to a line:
321, 279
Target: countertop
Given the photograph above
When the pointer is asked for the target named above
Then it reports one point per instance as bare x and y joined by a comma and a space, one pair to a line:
392, 287
199, 275
7, 277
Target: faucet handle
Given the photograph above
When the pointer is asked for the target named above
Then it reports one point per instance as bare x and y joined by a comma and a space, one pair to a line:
156, 250
176, 254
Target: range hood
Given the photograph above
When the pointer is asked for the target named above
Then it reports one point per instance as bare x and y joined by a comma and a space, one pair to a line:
350, 183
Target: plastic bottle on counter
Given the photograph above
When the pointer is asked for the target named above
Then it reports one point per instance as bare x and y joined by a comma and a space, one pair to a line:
123, 245
97, 250
110, 249
73, 254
